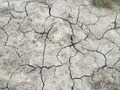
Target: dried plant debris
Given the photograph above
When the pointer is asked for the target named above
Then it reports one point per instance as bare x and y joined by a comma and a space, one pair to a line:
109, 4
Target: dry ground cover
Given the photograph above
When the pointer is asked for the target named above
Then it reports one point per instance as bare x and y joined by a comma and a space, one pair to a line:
59, 45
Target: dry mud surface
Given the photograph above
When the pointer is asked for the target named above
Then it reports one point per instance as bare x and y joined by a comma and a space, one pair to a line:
58, 45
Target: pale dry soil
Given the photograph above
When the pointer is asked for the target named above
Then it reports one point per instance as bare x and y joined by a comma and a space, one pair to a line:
58, 45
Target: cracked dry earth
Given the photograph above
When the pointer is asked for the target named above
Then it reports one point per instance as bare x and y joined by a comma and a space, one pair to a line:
58, 45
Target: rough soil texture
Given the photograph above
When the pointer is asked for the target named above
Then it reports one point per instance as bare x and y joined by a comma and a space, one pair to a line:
58, 45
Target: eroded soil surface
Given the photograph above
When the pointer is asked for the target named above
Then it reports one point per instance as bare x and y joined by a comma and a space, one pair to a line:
58, 45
